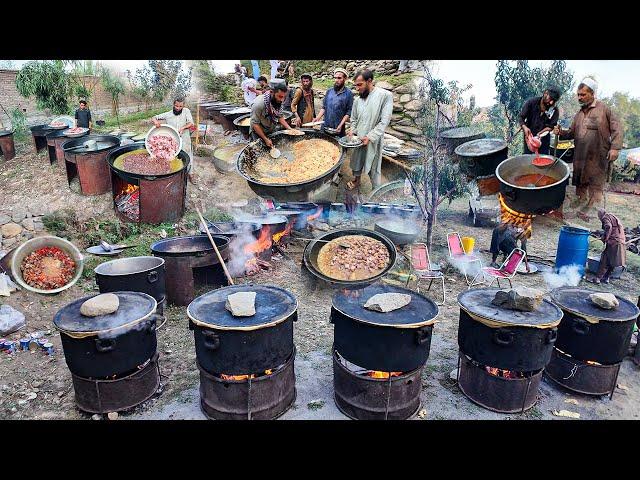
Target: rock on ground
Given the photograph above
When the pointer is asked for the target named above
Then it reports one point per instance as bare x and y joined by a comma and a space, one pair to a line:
10, 230
241, 304
605, 300
524, 299
103, 304
387, 302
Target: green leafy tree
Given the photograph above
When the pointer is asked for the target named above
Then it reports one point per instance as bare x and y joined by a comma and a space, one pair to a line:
208, 81
627, 108
114, 87
516, 83
438, 178
47, 81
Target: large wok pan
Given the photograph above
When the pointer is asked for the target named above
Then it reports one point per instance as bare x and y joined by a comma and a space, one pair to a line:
285, 191
399, 231
310, 256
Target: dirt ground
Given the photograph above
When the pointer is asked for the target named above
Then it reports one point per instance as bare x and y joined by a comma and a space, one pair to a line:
28, 180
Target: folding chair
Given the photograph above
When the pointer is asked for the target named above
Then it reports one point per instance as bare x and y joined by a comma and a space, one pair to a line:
508, 268
421, 266
456, 252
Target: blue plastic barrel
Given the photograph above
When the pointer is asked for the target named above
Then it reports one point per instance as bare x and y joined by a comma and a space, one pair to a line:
573, 248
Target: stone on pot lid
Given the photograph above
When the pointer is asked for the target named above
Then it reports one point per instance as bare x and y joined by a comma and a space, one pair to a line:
577, 301
605, 300
132, 307
387, 302
273, 305
103, 304
241, 304
420, 311
478, 304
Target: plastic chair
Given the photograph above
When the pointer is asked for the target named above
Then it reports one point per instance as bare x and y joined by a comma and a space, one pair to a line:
421, 266
456, 252
508, 268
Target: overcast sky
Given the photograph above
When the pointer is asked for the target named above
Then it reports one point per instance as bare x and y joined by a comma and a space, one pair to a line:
612, 75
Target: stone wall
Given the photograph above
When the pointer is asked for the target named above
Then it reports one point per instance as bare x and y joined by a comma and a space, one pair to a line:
406, 103
99, 103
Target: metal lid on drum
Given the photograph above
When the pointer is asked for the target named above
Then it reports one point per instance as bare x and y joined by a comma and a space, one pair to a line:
460, 132
102, 143
480, 147
134, 307
188, 245
273, 306
420, 312
577, 301
477, 303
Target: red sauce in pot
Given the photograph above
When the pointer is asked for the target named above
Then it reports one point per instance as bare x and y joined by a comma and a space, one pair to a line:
534, 179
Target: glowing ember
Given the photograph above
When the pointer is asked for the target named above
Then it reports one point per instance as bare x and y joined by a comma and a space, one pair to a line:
498, 372
128, 202
508, 215
129, 188
243, 377
378, 374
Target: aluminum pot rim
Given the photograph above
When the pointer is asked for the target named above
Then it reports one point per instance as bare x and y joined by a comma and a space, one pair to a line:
542, 172
70, 249
103, 265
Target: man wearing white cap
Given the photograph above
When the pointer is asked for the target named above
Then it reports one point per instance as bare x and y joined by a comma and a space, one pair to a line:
598, 139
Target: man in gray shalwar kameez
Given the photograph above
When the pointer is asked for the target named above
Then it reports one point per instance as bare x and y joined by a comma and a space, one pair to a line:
370, 116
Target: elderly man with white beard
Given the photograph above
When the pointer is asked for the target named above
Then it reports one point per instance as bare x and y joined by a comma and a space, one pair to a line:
597, 135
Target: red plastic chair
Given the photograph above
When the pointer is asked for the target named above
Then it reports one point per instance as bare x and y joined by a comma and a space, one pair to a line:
421, 266
456, 252
508, 268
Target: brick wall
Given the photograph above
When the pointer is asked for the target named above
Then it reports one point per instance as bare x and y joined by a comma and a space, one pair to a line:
99, 103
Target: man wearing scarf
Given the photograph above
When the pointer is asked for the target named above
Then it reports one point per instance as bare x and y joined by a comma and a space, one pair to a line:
266, 113
598, 139
336, 104
179, 118
370, 116
302, 104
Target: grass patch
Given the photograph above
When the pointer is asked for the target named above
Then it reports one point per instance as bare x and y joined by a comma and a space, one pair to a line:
112, 121
395, 80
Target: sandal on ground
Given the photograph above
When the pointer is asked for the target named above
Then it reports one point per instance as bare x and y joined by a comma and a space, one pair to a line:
351, 185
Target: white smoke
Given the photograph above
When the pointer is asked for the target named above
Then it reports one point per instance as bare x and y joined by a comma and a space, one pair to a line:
471, 268
237, 255
569, 275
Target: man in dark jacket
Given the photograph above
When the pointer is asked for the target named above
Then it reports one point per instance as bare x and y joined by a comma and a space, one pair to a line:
83, 115
302, 105
504, 239
539, 115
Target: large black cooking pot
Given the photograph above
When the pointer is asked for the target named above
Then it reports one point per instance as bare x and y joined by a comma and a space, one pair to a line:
480, 157
396, 341
529, 199
453, 137
286, 191
232, 113
103, 142
243, 345
244, 129
506, 339
134, 177
114, 344
197, 246
136, 274
591, 333
233, 229
311, 251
